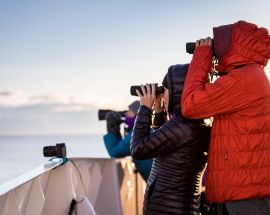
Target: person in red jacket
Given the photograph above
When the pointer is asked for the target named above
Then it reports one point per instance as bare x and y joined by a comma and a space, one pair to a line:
238, 179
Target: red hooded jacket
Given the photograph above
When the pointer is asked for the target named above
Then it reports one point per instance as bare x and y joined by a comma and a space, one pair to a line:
239, 152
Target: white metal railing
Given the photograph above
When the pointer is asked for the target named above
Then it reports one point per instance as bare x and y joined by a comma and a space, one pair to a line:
4, 188
101, 186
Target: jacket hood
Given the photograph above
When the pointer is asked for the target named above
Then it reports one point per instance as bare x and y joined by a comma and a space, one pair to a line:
240, 44
176, 77
222, 39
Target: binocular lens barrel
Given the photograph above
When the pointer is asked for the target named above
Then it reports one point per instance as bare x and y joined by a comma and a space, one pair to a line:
102, 113
49, 151
190, 47
159, 90
55, 151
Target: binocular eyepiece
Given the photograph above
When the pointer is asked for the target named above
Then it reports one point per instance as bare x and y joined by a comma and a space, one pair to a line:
159, 90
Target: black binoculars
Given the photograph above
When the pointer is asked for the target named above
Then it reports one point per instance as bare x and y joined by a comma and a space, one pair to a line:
190, 47
159, 90
102, 113
59, 150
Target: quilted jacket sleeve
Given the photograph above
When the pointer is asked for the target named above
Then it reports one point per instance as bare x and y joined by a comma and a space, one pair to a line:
165, 140
202, 99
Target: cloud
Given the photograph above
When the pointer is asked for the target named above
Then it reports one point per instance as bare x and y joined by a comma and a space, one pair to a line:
47, 114
61, 102
55, 113
5, 93
13, 98
57, 101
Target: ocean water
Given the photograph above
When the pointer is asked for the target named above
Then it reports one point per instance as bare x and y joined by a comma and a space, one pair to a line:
19, 154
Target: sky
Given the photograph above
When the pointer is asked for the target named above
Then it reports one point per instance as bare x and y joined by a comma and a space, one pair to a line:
62, 60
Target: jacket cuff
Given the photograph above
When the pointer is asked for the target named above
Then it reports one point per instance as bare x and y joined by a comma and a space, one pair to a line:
144, 110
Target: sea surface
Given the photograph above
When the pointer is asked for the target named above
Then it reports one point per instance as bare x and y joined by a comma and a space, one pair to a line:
19, 154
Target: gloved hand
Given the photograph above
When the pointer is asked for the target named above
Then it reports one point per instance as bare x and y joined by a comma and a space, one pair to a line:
113, 122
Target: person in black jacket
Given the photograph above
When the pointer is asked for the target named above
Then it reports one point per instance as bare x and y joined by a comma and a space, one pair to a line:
178, 146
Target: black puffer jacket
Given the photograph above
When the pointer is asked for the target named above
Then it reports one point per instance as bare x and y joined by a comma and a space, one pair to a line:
178, 148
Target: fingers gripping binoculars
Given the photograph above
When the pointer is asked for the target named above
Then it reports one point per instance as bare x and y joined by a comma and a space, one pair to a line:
159, 89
